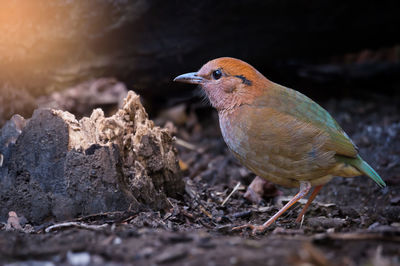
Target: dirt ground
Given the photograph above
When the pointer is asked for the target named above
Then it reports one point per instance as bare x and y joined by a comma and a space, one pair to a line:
351, 222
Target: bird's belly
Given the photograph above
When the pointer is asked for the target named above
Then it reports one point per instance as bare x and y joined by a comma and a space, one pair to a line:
269, 160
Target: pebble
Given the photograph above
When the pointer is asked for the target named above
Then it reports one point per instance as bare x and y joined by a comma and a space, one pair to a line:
78, 259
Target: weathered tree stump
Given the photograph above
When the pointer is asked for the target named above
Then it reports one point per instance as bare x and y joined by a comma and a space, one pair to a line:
55, 167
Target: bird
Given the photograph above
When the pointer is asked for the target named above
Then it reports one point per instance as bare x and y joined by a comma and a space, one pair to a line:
278, 133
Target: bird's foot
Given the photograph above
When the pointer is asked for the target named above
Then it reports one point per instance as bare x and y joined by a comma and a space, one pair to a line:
255, 229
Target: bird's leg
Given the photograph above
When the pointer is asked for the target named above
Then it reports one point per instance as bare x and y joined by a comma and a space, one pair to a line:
304, 189
310, 199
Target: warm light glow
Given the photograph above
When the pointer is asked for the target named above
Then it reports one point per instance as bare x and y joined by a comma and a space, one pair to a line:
39, 38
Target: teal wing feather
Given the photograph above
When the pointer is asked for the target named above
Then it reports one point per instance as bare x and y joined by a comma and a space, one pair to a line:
362, 166
301, 107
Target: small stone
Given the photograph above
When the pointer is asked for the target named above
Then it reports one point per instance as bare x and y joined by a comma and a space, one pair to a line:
395, 200
326, 222
117, 241
171, 255
78, 259
330, 230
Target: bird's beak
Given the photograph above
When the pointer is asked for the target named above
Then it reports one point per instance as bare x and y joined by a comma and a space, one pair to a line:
189, 78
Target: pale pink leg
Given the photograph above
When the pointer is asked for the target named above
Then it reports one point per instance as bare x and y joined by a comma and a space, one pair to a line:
310, 199
304, 189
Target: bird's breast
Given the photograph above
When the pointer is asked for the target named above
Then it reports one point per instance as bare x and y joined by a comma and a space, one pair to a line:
235, 137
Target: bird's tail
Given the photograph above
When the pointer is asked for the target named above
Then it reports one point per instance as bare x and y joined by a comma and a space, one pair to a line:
363, 167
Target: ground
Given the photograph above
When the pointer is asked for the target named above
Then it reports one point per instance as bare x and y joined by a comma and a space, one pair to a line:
351, 222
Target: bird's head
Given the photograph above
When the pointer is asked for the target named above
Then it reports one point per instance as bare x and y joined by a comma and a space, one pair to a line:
228, 82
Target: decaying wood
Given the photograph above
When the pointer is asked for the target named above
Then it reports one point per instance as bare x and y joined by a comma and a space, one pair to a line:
58, 167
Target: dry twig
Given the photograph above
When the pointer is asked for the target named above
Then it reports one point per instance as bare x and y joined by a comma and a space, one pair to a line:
187, 145
230, 194
75, 224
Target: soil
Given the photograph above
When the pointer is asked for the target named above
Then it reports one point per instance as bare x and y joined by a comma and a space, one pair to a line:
351, 222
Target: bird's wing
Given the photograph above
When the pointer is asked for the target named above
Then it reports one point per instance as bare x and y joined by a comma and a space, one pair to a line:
276, 145
304, 109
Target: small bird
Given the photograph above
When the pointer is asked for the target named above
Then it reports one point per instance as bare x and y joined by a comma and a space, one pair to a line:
278, 133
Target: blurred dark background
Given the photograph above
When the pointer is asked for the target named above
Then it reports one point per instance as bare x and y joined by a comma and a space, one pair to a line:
322, 48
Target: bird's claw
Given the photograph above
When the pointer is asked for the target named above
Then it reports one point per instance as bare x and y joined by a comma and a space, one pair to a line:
254, 228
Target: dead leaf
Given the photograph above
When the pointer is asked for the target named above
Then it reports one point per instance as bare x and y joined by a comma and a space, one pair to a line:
13, 222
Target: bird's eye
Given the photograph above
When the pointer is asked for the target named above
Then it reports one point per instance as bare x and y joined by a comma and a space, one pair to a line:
217, 74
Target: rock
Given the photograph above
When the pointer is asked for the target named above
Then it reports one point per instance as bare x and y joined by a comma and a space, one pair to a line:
325, 222
60, 168
172, 254
78, 258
